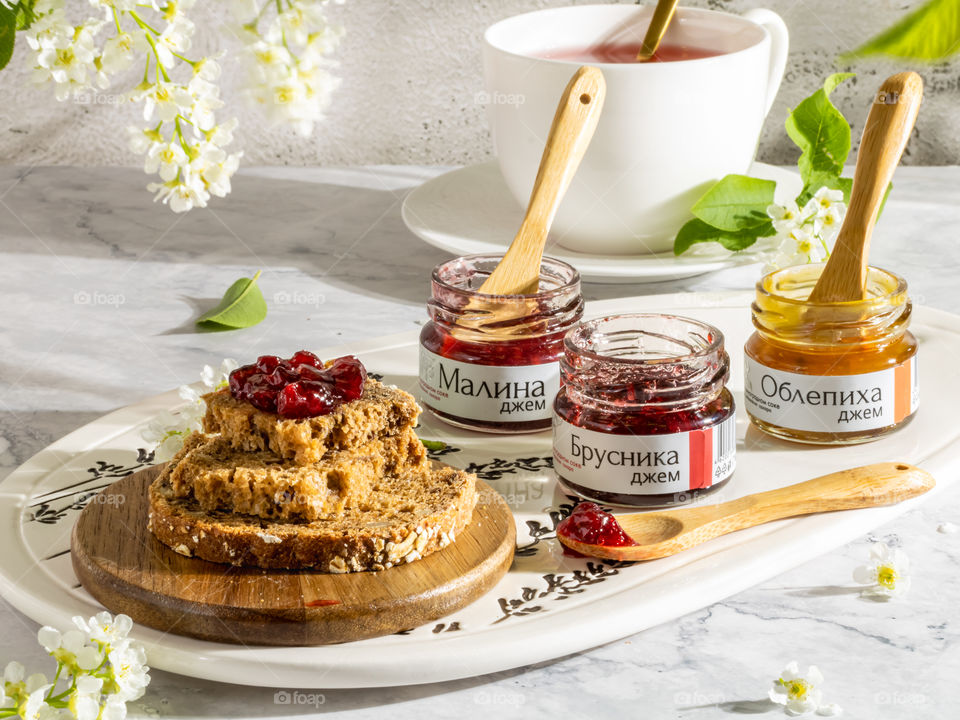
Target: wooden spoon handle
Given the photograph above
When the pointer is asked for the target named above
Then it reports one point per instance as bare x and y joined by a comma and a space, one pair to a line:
570, 134
860, 487
885, 135
662, 15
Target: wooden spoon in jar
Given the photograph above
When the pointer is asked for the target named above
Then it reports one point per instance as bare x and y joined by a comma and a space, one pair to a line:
659, 534
662, 15
885, 135
518, 273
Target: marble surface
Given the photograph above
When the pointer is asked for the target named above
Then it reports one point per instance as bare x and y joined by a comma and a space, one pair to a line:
99, 290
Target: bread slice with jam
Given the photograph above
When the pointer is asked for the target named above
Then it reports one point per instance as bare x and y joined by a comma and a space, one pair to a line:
381, 411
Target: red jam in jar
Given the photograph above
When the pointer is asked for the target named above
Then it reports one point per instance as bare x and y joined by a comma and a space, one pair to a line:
489, 362
643, 416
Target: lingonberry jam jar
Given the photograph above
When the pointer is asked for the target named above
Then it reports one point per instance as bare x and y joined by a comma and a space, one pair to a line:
489, 362
830, 373
643, 416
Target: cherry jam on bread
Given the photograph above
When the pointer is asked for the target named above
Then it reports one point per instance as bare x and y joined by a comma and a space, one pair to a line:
300, 387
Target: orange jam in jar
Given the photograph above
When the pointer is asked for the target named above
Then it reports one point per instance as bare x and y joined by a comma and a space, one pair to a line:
830, 373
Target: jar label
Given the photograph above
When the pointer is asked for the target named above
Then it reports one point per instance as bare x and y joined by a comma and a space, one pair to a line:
834, 404
491, 393
645, 464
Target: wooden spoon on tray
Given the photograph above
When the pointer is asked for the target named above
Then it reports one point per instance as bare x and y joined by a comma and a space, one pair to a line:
659, 534
885, 135
662, 15
518, 273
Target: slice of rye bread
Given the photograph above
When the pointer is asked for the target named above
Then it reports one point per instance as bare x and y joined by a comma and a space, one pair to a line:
406, 517
382, 410
219, 477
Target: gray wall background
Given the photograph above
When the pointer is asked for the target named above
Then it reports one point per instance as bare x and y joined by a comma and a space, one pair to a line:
411, 70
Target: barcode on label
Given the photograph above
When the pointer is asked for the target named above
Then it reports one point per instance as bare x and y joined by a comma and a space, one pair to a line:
724, 440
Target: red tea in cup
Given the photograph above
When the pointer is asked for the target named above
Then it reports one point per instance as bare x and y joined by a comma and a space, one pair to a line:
626, 53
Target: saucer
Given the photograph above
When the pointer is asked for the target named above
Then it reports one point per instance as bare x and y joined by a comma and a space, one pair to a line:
470, 210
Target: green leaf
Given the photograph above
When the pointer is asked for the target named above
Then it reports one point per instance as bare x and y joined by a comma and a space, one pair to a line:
735, 203
696, 231
930, 33
242, 306
435, 445
821, 132
8, 32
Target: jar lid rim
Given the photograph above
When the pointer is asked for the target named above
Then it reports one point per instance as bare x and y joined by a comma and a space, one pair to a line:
715, 345
763, 287
563, 267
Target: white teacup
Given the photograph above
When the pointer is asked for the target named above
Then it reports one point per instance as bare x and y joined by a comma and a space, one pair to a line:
668, 129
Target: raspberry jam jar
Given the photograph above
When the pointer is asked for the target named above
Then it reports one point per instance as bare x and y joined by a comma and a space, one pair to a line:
489, 362
643, 416
830, 373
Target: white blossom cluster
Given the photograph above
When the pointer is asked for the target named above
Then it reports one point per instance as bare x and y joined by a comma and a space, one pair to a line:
102, 667
286, 44
168, 430
287, 48
803, 235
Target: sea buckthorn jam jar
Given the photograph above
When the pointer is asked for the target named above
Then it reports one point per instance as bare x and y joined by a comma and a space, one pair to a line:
643, 416
830, 373
489, 362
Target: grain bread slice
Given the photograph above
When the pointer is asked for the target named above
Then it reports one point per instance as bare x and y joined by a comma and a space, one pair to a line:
382, 410
406, 517
219, 477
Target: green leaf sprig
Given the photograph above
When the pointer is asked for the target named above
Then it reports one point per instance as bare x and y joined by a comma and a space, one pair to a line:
733, 212
931, 33
242, 306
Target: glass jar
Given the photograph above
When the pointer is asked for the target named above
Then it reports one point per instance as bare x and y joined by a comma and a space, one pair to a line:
489, 362
643, 416
830, 373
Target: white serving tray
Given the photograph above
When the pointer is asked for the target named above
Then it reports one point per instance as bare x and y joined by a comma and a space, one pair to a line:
548, 605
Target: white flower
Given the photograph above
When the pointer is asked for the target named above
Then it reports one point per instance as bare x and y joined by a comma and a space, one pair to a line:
114, 709
13, 672
35, 707
118, 52
797, 692
216, 379
129, 667
84, 701
165, 158
168, 432
105, 628
802, 235
66, 57
70, 648
827, 199
216, 168
785, 217
886, 574
205, 102
288, 66
181, 194
166, 100
175, 39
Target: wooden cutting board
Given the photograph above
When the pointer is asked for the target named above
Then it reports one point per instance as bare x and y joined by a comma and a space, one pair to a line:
129, 571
